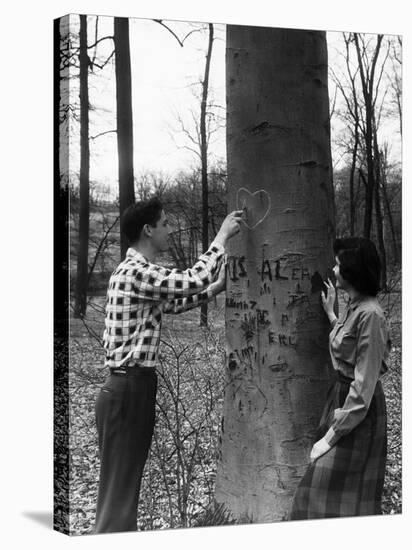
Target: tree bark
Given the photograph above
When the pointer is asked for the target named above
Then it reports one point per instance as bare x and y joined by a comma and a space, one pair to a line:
397, 79
124, 119
83, 247
387, 207
352, 210
203, 156
378, 212
278, 366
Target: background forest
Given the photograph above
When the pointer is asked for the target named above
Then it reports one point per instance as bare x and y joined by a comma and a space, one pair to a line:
104, 167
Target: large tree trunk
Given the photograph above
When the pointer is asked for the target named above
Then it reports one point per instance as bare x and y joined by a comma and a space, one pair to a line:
203, 155
278, 139
83, 248
124, 119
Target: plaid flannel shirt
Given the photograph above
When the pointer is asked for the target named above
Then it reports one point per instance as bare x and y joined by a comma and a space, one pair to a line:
139, 292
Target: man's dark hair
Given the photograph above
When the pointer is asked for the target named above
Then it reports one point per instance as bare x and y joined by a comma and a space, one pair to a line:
137, 215
359, 263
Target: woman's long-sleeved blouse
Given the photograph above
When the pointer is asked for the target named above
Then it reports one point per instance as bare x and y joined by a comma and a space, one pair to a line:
359, 346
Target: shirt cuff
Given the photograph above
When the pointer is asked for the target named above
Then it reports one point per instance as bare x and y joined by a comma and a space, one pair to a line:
331, 437
217, 247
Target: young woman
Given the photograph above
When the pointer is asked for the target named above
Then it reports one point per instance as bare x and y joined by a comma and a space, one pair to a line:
346, 474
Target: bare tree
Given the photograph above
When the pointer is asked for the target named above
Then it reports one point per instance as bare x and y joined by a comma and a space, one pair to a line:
352, 118
85, 65
378, 210
280, 171
124, 119
83, 240
395, 77
385, 171
204, 161
367, 69
204, 124
365, 93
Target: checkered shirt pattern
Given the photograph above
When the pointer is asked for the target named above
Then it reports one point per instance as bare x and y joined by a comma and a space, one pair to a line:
348, 479
139, 292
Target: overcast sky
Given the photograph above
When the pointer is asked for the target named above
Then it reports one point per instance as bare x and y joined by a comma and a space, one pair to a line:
165, 80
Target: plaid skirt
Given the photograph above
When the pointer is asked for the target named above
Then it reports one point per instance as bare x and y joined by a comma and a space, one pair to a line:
348, 479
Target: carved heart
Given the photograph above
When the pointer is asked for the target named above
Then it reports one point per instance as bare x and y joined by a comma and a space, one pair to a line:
257, 206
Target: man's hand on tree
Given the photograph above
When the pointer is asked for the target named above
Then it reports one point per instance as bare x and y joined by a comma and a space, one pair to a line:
229, 227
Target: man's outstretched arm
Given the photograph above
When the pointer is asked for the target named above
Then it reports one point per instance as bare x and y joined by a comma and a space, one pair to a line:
180, 305
154, 282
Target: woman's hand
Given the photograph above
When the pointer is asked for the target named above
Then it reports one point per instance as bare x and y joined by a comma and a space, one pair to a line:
319, 448
328, 299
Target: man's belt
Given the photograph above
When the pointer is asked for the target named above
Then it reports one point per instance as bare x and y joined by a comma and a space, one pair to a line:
131, 370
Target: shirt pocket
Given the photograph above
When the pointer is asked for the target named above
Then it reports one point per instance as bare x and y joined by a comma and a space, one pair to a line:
346, 346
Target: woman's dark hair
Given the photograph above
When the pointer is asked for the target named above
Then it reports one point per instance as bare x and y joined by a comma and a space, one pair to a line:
359, 263
137, 215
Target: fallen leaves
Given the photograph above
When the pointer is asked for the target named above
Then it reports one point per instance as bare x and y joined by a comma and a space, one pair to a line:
178, 484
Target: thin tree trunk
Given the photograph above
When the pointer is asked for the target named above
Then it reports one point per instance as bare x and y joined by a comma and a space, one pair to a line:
83, 248
203, 154
378, 211
395, 247
381, 242
367, 221
397, 84
368, 204
352, 210
124, 119
278, 366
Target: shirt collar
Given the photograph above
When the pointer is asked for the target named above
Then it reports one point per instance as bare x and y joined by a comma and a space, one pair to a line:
353, 304
133, 253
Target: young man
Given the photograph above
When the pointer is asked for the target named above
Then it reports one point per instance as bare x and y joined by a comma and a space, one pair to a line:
139, 293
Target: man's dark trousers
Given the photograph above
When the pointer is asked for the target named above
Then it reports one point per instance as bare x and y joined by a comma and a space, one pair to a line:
125, 415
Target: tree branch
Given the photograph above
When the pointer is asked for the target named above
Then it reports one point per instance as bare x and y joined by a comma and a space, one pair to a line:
100, 40
170, 30
103, 134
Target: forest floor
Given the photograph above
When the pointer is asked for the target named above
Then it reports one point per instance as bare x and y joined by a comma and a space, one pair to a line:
177, 489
